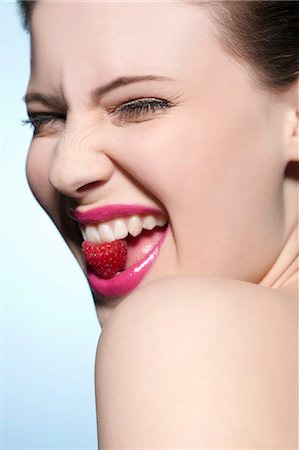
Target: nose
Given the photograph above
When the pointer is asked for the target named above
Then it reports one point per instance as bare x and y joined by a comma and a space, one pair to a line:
80, 163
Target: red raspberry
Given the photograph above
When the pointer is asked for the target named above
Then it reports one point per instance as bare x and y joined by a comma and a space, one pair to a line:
106, 259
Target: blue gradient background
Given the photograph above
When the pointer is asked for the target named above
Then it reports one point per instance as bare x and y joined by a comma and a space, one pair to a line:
49, 326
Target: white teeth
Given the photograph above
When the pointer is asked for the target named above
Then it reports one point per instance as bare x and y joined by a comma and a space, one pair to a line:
149, 222
120, 229
83, 232
91, 233
134, 226
161, 221
105, 232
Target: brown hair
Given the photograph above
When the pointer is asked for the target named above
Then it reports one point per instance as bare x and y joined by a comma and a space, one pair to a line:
263, 33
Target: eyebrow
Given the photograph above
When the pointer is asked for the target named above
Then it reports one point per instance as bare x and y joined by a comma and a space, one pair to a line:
97, 93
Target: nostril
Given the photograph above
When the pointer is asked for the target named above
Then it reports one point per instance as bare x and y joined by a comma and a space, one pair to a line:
89, 186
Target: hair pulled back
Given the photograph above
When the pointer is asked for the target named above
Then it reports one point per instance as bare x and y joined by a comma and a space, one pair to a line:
263, 33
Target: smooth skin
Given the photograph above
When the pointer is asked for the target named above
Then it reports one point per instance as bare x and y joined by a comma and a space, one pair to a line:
191, 362
215, 161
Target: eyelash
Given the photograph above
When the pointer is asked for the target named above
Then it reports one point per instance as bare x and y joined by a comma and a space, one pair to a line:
130, 109
39, 119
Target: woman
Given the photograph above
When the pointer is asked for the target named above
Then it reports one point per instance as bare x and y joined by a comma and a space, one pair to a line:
165, 151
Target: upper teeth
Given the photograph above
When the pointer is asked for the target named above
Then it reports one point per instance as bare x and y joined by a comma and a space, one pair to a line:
119, 228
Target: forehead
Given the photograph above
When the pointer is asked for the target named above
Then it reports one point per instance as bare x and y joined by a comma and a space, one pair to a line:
71, 40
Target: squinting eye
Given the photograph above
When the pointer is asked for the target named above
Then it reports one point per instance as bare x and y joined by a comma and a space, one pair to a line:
130, 110
137, 108
38, 121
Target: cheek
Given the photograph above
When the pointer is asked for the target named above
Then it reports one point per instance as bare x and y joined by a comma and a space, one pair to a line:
221, 158
182, 154
37, 171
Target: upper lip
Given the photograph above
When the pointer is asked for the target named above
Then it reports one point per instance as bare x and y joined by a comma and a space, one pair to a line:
104, 213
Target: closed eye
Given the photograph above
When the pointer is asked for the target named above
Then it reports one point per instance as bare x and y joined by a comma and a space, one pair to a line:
142, 106
38, 120
131, 110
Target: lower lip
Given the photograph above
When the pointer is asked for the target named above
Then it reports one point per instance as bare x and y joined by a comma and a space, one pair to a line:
128, 280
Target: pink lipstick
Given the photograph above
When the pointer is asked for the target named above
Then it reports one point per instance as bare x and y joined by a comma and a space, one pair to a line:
126, 281
143, 250
103, 213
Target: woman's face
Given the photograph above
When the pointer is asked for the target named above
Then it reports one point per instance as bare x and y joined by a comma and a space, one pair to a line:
207, 155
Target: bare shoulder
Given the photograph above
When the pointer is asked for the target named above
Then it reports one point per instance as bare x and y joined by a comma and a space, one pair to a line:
199, 362
204, 292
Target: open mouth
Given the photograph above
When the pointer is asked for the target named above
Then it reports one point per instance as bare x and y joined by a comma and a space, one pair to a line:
120, 252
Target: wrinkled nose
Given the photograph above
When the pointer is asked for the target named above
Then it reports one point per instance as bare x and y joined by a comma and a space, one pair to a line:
79, 164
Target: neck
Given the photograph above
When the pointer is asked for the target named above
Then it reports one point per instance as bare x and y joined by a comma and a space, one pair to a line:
284, 271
